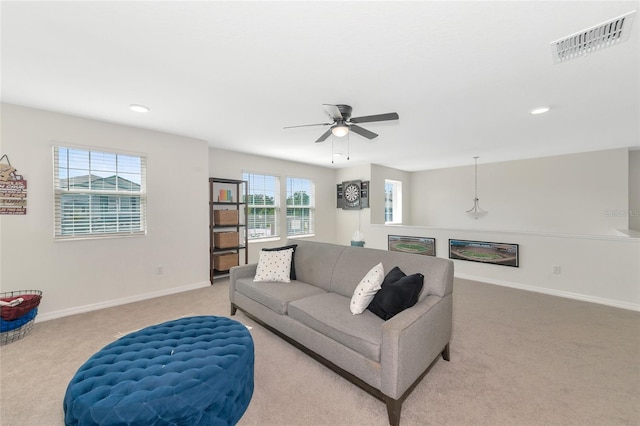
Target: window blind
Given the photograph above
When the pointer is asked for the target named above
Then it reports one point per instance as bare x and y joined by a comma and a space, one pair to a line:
98, 194
300, 206
263, 205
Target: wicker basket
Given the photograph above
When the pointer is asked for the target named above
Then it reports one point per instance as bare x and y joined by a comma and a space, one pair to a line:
223, 262
225, 239
9, 336
225, 217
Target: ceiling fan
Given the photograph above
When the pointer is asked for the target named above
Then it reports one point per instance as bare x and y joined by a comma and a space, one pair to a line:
343, 122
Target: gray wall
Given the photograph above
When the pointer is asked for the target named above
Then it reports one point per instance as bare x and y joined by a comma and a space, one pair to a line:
80, 275
231, 165
634, 190
558, 209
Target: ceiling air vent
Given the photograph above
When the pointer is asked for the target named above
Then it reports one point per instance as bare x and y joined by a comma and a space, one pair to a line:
601, 36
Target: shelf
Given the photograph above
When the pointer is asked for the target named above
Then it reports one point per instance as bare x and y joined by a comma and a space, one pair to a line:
226, 203
219, 250
227, 189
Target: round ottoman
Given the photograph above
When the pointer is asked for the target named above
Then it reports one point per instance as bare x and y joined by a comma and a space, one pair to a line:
191, 371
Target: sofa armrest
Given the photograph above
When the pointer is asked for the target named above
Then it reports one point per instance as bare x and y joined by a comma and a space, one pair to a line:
411, 341
238, 272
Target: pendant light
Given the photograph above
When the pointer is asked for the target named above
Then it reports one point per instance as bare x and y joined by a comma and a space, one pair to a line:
476, 211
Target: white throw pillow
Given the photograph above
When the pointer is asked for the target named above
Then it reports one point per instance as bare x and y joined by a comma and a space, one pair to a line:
274, 266
367, 289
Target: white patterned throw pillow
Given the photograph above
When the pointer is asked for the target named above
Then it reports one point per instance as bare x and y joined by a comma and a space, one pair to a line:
274, 266
367, 289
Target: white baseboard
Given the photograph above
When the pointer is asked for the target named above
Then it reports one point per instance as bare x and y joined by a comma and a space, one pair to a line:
553, 292
110, 303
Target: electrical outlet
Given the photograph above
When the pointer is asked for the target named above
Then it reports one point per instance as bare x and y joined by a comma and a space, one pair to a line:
557, 269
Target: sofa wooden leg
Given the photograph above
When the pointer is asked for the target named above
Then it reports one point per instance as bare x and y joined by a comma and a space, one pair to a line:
233, 309
393, 410
446, 355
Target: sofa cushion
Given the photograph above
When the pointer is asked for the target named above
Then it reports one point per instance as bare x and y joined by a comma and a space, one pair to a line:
329, 314
368, 287
276, 296
292, 272
353, 264
398, 293
315, 263
274, 266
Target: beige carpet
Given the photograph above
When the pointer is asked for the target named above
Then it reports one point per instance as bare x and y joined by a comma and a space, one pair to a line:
517, 358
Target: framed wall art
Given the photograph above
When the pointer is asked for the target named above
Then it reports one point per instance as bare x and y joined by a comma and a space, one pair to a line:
485, 252
416, 245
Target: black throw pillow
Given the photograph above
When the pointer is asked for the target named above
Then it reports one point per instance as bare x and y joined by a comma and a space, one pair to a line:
396, 294
394, 275
292, 274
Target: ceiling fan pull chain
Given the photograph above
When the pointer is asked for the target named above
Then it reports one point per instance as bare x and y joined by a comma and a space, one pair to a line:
332, 156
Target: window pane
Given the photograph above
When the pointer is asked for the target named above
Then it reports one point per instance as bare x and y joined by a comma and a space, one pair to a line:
129, 164
103, 162
262, 205
300, 202
93, 197
388, 202
392, 201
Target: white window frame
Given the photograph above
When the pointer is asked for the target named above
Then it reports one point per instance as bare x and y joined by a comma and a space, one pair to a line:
267, 185
98, 194
392, 202
298, 226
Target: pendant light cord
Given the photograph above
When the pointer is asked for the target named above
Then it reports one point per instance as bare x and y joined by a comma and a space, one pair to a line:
476, 177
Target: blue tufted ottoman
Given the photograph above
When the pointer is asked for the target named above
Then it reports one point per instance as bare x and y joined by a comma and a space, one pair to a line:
191, 371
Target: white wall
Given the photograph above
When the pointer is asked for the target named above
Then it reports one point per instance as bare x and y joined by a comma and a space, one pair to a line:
567, 194
347, 222
231, 165
634, 190
603, 269
554, 208
81, 275
378, 176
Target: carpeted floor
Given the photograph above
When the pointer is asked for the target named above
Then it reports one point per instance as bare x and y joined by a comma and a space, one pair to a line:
517, 358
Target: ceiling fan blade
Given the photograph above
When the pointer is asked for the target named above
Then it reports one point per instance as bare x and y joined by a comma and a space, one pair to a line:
324, 136
333, 111
379, 117
308, 125
362, 132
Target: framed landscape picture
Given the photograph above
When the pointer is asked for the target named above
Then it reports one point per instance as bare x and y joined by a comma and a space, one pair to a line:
484, 252
415, 245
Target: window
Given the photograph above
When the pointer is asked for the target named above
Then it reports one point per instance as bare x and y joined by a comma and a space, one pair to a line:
392, 201
300, 206
263, 201
98, 193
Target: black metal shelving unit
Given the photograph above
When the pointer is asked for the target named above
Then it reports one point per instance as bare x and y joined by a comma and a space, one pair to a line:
225, 248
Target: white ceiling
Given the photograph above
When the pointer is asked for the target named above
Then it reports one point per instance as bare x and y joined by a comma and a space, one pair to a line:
461, 75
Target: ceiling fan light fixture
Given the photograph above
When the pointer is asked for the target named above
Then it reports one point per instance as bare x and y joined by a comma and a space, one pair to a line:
340, 130
540, 110
139, 108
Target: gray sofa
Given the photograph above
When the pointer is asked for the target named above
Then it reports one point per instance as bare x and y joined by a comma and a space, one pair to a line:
385, 358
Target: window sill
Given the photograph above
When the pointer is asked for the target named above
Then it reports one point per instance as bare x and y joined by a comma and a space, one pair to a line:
99, 237
264, 240
294, 237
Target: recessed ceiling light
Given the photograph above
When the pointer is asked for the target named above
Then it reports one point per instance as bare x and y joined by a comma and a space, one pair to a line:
540, 110
139, 108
